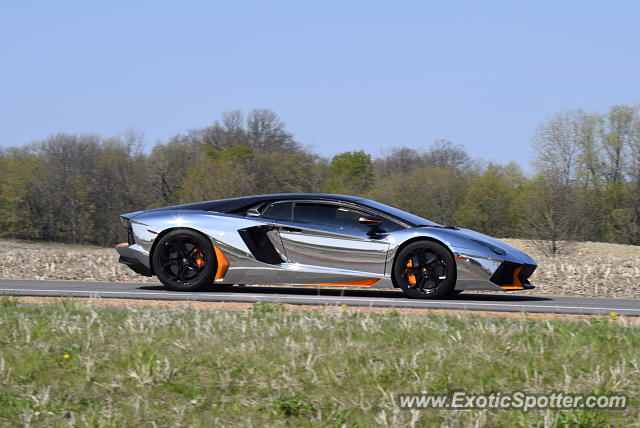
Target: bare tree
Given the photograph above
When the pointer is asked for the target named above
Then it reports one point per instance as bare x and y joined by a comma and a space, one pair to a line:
557, 144
445, 154
267, 133
617, 136
398, 159
169, 164
551, 216
590, 163
68, 161
633, 172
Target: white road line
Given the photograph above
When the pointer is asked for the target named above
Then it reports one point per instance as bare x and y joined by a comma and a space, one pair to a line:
95, 292
325, 298
458, 303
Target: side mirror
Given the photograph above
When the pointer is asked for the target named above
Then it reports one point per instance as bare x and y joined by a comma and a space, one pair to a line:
373, 223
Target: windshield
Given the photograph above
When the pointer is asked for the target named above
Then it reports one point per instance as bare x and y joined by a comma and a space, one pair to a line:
403, 215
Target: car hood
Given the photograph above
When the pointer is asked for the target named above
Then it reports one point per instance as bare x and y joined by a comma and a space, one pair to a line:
463, 240
511, 251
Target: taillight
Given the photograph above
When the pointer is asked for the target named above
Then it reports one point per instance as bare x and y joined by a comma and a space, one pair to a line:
127, 224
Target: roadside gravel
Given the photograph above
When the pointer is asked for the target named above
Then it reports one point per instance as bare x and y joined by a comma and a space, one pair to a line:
587, 269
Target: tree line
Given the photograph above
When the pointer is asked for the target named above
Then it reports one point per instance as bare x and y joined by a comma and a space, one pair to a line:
585, 186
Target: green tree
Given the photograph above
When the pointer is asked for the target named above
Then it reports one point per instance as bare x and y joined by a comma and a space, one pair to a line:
431, 192
278, 172
215, 179
18, 172
350, 173
490, 203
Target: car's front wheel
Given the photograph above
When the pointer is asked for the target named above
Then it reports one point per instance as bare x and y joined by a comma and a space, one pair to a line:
184, 260
425, 270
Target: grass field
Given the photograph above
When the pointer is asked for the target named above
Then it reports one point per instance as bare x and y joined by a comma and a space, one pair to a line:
79, 365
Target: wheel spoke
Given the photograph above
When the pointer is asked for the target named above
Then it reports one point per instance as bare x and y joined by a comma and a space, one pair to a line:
181, 272
181, 260
167, 265
415, 261
429, 284
424, 270
439, 271
430, 258
422, 281
422, 257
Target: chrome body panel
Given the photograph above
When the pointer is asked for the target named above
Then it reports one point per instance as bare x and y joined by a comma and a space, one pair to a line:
315, 254
135, 252
294, 273
322, 248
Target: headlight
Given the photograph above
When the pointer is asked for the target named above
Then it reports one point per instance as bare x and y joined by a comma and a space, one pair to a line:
494, 248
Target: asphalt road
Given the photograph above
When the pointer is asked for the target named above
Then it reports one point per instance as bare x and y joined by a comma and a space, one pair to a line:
505, 302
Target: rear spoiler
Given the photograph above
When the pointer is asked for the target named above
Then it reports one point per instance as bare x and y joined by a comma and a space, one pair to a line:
125, 218
129, 216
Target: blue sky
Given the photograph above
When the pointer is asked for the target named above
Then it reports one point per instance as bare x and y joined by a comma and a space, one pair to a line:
342, 75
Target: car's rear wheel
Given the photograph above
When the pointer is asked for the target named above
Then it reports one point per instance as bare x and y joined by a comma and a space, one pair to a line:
184, 260
425, 270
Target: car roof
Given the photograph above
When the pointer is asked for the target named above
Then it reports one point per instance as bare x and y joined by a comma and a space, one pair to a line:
241, 204
231, 205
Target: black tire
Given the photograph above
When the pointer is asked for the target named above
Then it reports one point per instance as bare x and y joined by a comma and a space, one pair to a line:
183, 260
221, 287
425, 270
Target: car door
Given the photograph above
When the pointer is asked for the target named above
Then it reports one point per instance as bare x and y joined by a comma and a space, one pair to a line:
329, 235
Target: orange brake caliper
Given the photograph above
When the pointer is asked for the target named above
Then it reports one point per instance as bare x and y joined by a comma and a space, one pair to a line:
411, 277
199, 258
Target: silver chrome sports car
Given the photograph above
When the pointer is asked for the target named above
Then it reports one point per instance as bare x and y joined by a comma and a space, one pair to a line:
319, 240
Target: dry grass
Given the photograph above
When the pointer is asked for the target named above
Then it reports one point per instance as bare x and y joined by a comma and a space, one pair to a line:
25, 260
587, 269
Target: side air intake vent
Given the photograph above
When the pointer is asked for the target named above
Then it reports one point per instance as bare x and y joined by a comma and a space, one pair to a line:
259, 244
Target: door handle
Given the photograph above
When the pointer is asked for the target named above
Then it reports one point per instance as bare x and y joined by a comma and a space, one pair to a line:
291, 229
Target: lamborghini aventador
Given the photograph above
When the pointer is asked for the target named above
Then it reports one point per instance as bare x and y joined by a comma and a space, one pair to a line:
315, 240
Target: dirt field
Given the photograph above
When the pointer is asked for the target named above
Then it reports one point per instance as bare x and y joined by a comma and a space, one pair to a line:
22, 260
585, 269
588, 269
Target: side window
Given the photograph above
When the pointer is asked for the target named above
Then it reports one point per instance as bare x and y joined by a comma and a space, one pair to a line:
336, 216
348, 219
390, 226
314, 213
279, 211
329, 215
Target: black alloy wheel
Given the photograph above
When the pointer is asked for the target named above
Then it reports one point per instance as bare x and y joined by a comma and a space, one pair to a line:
425, 270
184, 260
